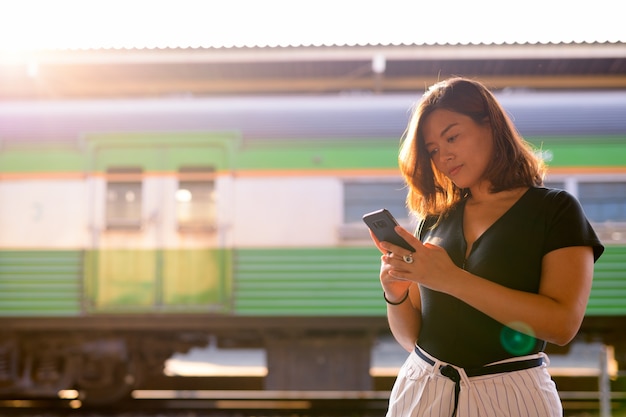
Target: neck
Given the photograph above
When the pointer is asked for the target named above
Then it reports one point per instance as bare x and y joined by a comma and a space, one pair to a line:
481, 194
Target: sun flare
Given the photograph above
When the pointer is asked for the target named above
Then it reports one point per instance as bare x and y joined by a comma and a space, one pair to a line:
35, 25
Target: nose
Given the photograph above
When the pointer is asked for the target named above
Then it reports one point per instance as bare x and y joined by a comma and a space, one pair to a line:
445, 154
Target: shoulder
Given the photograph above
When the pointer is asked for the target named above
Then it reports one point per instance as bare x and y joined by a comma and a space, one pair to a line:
554, 204
553, 199
548, 194
565, 220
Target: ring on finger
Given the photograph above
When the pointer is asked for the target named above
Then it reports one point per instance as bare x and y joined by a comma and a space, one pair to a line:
408, 258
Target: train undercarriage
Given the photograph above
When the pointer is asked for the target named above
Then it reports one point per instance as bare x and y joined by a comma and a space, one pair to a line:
105, 359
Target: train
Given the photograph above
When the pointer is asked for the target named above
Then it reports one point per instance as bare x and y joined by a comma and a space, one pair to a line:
133, 229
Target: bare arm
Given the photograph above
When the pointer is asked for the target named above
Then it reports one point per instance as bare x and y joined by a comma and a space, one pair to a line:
555, 313
405, 318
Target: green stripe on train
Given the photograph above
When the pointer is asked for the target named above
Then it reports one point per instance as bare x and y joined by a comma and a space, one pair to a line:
605, 151
308, 282
246, 282
608, 293
344, 281
226, 151
40, 283
72, 283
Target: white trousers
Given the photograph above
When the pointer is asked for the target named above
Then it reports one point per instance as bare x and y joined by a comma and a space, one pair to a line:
421, 391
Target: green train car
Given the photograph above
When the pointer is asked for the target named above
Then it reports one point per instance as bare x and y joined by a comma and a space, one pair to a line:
134, 229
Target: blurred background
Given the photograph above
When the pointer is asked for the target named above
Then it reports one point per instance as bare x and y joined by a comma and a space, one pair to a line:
182, 185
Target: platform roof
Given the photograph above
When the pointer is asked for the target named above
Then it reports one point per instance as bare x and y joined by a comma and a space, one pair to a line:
309, 70
236, 47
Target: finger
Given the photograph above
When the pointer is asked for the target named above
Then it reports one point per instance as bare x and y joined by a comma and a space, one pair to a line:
397, 253
399, 250
378, 243
398, 260
409, 237
390, 248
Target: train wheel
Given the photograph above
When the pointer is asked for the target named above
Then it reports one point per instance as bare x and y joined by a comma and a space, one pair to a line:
105, 380
46, 367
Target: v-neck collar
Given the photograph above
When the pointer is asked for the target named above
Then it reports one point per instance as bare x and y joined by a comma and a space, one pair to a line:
467, 251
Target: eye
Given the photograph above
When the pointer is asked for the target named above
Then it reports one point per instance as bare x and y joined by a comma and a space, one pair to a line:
452, 138
432, 152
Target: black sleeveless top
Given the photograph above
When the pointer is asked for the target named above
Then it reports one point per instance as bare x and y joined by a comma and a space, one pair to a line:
508, 253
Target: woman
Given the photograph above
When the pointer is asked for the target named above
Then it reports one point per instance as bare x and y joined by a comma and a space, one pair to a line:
501, 265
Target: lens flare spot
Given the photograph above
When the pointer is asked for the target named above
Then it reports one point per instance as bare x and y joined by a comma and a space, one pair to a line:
518, 338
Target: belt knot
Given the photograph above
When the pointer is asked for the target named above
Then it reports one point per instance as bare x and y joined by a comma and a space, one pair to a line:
450, 372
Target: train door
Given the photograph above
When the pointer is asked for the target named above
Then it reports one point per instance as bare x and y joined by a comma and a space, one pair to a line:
158, 243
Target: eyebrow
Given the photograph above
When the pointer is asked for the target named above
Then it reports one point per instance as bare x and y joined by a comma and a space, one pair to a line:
443, 132
450, 126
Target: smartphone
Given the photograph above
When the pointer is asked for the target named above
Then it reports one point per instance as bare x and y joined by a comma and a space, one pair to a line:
382, 223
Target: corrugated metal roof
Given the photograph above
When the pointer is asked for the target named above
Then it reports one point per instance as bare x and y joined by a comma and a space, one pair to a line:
226, 46
316, 70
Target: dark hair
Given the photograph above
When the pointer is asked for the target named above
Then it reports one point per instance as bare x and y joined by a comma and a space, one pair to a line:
513, 163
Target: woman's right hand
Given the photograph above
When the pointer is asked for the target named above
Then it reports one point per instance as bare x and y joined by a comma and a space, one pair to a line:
404, 318
394, 288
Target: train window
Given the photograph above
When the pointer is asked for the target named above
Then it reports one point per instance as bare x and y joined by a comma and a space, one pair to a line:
603, 201
195, 198
123, 198
363, 197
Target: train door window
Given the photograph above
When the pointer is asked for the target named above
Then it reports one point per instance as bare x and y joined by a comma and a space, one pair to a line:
195, 198
603, 201
362, 197
124, 198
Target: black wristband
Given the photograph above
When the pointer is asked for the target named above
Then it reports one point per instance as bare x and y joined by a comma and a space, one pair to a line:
397, 303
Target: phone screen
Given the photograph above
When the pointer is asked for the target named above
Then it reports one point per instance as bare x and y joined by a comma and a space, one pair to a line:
382, 224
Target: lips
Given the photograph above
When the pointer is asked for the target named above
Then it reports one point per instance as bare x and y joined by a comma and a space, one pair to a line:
454, 170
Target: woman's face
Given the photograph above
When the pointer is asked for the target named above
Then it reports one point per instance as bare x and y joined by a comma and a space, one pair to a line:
459, 147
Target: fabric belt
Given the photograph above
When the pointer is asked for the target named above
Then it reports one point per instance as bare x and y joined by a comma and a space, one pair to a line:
452, 373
